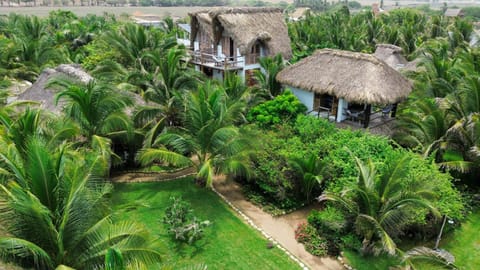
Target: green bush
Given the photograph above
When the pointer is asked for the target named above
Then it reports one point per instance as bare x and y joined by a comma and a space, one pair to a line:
329, 221
309, 237
282, 108
181, 223
331, 224
274, 178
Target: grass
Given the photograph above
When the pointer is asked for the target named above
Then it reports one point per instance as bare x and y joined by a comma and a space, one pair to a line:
464, 243
228, 243
359, 262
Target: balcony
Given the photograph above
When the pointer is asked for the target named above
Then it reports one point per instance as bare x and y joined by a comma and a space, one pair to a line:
216, 62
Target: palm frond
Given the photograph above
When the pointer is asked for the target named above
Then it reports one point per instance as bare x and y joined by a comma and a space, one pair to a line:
20, 249
149, 156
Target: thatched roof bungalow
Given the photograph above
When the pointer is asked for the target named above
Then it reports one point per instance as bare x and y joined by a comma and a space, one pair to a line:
45, 96
334, 80
245, 26
234, 39
454, 12
38, 92
392, 56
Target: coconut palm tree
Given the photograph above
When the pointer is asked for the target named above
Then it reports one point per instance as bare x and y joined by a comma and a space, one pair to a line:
208, 137
98, 108
53, 211
382, 207
423, 126
132, 41
164, 88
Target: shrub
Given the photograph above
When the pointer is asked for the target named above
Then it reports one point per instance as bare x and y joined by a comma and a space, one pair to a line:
329, 221
313, 242
282, 108
181, 223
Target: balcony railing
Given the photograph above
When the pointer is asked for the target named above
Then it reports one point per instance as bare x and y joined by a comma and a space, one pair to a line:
214, 61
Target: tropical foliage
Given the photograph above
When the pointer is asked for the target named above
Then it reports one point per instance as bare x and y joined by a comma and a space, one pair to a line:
209, 140
53, 209
54, 201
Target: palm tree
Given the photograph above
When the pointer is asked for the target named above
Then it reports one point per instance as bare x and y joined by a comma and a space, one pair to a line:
310, 170
33, 46
423, 127
267, 78
132, 41
100, 112
164, 88
208, 137
464, 141
381, 208
96, 107
437, 78
53, 211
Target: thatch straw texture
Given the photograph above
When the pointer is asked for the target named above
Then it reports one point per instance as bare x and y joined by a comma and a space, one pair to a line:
46, 97
390, 54
355, 77
245, 26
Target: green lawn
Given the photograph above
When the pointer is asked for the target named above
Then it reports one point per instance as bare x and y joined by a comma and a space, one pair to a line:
464, 243
359, 262
228, 243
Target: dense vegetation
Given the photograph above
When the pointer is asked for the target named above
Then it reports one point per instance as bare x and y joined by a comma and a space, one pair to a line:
146, 106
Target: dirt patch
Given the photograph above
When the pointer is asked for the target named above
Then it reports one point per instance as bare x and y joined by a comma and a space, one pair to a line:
137, 177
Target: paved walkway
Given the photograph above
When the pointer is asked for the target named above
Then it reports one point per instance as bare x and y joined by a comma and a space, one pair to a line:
281, 228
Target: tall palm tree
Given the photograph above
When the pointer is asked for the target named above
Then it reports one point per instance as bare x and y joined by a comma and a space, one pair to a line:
382, 207
208, 141
164, 88
53, 211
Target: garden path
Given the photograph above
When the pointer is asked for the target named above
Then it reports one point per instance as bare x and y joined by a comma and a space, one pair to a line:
280, 228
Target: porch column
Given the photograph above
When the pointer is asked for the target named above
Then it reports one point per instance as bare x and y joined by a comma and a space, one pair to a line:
368, 111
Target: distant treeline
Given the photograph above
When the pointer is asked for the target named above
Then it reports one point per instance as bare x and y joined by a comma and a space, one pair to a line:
160, 3
323, 5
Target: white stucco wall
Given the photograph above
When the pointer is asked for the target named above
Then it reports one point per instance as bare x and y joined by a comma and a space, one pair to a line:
342, 106
305, 97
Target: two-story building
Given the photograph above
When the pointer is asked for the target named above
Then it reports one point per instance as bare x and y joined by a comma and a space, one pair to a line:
234, 39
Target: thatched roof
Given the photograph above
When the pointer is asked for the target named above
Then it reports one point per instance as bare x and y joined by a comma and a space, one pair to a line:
38, 92
390, 54
299, 13
356, 77
245, 26
454, 12
46, 97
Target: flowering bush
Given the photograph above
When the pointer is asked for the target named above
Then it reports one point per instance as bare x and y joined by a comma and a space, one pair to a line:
313, 242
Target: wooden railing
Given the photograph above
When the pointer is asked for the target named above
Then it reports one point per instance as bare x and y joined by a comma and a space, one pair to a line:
204, 58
